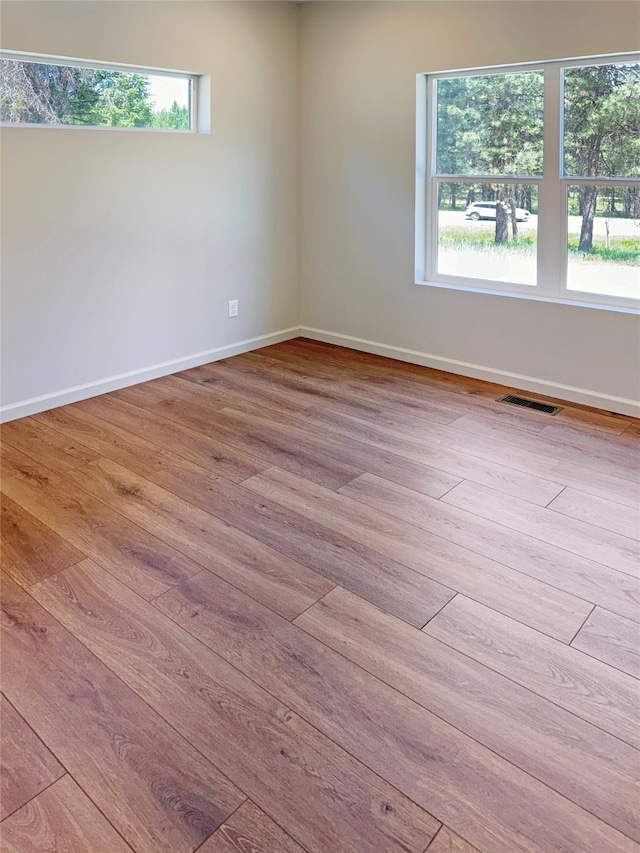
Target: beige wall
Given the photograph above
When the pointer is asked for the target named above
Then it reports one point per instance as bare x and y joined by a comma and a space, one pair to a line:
121, 249
359, 63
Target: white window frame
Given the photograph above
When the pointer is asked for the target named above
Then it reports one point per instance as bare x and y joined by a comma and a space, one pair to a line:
552, 255
197, 115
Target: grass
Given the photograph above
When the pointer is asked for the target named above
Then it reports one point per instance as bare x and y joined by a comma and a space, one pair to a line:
621, 251
460, 238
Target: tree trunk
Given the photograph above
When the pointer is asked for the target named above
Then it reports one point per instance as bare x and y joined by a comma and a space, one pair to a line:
589, 200
514, 219
502, 218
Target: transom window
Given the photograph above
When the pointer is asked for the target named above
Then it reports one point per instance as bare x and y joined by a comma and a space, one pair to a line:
528, 180
61, 92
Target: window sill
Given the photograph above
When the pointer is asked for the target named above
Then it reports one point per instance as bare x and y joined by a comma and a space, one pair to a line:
533, 297
7, 124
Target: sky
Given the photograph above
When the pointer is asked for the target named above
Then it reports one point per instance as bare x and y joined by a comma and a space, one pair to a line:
165, 90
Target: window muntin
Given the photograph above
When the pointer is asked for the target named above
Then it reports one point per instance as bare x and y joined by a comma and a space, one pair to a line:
555, 240
58, 92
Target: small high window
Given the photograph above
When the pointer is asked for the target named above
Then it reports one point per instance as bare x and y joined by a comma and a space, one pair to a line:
63, 92
529, 180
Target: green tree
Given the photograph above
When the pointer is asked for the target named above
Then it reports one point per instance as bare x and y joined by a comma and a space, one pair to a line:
36, 93
176, 117
602, 131
490, 124
458, 140
124, 100
54, 94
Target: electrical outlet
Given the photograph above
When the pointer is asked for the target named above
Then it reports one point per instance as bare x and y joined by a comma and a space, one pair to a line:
233, 307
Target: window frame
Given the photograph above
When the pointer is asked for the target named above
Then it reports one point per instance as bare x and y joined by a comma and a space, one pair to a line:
552, 184
195, 91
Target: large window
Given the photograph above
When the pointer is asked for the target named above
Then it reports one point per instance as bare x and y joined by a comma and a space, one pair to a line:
62, 92
528, 180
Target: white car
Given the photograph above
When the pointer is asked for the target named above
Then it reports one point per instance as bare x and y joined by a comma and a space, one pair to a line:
487, 210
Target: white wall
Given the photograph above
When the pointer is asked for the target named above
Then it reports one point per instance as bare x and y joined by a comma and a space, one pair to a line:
121, 249
359, 62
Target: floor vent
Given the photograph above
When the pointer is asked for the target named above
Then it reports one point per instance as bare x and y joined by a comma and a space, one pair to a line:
530, 404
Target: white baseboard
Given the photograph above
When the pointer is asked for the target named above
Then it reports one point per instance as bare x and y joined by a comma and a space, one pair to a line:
501, 377
133, 377
569, 393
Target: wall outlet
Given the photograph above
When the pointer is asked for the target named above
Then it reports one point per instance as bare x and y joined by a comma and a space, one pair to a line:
233, 307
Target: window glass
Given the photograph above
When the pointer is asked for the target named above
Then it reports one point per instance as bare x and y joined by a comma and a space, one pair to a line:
602, 121
52, 94
490, 124
494, 240
484, 187
604, 240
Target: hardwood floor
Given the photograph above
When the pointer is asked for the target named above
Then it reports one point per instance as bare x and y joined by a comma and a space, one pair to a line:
308, 600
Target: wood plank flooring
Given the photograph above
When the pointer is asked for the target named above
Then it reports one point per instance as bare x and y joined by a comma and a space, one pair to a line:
309, 600
61, 818
28, 767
